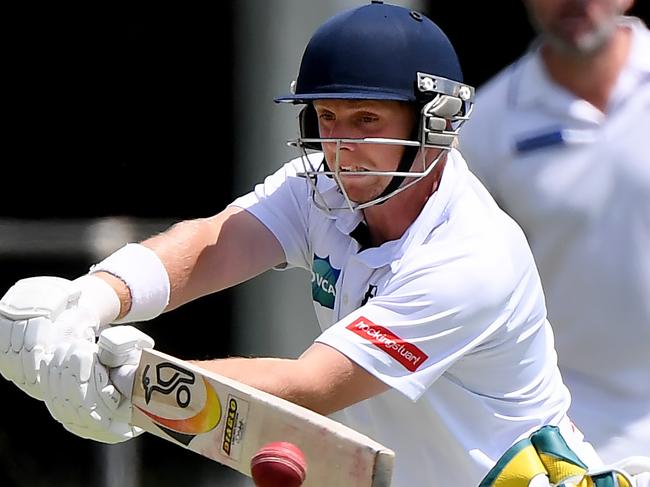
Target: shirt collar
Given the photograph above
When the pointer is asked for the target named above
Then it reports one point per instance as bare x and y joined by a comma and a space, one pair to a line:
433, 214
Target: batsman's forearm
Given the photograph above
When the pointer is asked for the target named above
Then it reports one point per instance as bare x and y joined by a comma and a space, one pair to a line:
280, 377
210, 254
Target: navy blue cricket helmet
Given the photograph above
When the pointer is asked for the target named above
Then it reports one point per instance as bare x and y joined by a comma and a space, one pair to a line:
374, 52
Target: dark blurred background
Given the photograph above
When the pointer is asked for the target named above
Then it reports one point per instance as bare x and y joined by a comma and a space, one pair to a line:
118, 125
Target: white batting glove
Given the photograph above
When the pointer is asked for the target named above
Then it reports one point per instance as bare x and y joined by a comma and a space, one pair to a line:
37, 314
78, 390
638, 468
631, 471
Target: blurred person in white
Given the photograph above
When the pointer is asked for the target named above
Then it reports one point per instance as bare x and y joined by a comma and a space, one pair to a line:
560, 139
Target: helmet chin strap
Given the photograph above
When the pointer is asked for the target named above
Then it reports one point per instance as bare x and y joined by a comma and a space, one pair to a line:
405, 164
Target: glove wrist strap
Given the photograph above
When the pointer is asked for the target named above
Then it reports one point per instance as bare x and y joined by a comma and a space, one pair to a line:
98, 296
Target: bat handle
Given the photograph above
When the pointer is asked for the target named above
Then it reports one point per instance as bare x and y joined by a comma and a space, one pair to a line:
119, 350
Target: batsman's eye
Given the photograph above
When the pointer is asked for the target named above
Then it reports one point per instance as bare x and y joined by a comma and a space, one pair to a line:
368, 118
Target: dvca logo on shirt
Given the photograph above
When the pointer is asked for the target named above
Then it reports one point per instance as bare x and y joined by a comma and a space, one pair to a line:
323, 281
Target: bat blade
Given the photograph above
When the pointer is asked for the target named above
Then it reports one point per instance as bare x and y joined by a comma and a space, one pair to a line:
228, 421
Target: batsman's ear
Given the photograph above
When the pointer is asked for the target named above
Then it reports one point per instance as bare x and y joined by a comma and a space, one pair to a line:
308, 120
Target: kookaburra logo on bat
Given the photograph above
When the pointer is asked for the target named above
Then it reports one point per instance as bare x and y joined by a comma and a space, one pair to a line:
169, 378
198, 408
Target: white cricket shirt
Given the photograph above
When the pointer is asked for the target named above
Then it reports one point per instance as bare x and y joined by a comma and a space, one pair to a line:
454, 321
578, 183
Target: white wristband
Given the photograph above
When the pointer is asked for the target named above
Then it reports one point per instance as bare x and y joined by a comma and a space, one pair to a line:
146, 277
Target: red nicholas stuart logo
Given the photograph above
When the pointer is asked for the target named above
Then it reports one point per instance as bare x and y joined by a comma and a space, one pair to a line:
404, 352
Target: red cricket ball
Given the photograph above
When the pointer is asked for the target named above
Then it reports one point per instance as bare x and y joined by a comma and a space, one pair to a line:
279, 464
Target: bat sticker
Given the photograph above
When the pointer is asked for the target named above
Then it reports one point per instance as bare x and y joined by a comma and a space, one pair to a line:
166, 386
234, 427
172, 380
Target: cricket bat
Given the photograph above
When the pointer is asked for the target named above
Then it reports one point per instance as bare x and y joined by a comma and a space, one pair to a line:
228, 422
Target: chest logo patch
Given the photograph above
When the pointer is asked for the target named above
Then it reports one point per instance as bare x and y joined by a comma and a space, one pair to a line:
404, 352
323, 281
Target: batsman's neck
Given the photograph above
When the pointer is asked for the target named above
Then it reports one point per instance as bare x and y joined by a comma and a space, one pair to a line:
390, 220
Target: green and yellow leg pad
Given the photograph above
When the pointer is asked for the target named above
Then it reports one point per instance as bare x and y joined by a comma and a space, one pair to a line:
546, 452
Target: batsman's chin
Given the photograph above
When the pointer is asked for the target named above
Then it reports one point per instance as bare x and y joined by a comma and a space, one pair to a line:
361, 189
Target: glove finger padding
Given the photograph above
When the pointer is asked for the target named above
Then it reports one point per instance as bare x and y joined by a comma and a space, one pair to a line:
31, 361
21, 352
79, 392
6, 325
36, 314
51, 382
40, 338
21, 362
11, 335
79, 395
36, 345
7, 355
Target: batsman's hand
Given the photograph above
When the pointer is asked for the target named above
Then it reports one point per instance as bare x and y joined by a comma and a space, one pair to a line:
79, 391
36, 315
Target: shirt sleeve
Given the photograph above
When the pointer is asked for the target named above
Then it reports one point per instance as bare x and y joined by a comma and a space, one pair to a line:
282, 204
425, 320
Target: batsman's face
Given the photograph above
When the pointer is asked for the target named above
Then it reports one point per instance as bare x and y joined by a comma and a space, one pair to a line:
358, 119
578, 27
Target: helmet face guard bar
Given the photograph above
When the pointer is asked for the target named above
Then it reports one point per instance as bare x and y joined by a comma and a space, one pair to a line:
440, 121
311, 173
